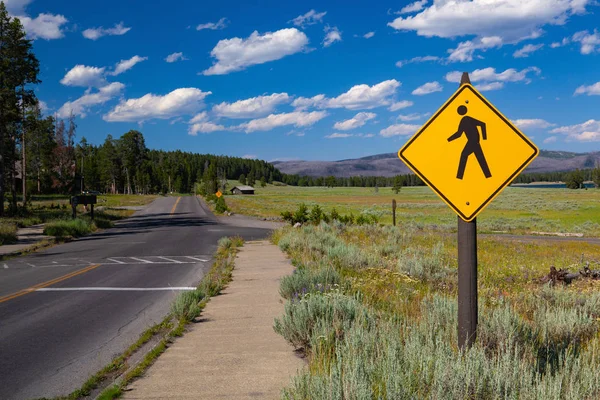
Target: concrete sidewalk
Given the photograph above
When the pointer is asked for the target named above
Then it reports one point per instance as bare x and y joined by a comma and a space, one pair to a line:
26, 237
233, 353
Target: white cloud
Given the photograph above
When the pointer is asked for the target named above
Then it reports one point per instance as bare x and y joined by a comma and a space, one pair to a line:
399, 130
43, 106
171, 58
44, 26
592, 90
369, 35
253, 107
366, 97
590, 42
533, 124
428, 88
411, 117
551, 139
310, 18
81, 75
359, 97
510, 19
526, 50
332, 35
96, 33
413, 7
347, 135
126, 65
16, 7
82, 105
465, 50
296, 118
201, 124
399, 105
182, 101
562, 43
204, 127
588, 131
220, 24
486, 87
357, 121
302, 103
402, 63
250, 156
237, 54
490, 75
339, 136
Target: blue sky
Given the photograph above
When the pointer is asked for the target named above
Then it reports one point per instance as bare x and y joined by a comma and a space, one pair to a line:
321, 80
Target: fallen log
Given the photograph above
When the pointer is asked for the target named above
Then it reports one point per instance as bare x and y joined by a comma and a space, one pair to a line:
565, 277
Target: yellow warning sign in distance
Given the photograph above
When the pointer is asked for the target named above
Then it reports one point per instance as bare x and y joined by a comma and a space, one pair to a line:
468, 152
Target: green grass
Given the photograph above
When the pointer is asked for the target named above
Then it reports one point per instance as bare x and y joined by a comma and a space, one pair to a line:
69, 228
516, 210
8, 233
388, 330
120, 200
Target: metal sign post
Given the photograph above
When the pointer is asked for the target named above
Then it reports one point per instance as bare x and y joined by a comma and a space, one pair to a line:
394, 211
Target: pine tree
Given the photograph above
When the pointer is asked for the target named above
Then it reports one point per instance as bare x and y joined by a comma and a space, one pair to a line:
40, 148
19, 69
398, 182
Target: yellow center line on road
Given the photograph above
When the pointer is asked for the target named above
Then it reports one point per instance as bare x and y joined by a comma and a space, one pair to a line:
47, 283
175, 206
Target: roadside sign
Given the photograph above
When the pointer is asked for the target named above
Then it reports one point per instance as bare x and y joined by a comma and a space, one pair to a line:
468, 152
218, 194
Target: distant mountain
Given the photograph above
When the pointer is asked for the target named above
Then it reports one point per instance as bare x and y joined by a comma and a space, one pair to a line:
389, 164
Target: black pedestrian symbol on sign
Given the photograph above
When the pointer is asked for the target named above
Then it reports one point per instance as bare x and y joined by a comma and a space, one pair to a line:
469, 126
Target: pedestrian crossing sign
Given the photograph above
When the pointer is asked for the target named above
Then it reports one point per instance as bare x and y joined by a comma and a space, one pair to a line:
468, 152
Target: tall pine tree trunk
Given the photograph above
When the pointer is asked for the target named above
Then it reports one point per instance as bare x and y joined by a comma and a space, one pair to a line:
23, 165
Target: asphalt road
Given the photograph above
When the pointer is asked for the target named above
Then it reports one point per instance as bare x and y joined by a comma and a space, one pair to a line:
66, 312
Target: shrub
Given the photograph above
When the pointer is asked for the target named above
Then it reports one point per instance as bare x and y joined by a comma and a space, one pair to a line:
305, 280
299, 216
69, 228
220, 205
316, 215
186, 305
334, 312
8, 233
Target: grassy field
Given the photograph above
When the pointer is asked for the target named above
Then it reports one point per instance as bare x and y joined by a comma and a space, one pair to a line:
516, 210
374, 309
55, 211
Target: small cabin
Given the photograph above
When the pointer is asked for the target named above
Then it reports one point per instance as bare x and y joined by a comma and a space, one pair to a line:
242, 190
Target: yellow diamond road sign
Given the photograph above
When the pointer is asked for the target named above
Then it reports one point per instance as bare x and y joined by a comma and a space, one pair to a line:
219, 194
468, 152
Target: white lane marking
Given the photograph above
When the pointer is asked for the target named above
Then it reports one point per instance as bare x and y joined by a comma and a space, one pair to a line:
5, 266
170, 259
142, 260
115, 289
116, 261
197, 259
